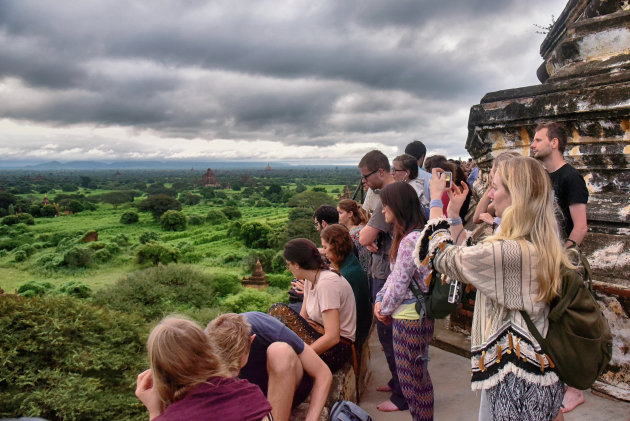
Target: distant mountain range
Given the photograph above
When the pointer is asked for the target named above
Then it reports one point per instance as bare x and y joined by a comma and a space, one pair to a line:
119, 165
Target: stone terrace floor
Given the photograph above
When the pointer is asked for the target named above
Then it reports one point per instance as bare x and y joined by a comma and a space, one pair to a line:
455, 401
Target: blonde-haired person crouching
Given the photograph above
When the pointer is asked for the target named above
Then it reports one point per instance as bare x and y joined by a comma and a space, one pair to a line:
259, 348
188, 380
516, 269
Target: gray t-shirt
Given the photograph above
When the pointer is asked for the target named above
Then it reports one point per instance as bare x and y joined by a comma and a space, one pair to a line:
380, 260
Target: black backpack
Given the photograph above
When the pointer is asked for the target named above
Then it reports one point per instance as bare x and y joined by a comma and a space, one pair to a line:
578, 341
435, 302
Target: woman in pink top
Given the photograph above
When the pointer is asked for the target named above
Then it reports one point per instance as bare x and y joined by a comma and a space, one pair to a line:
327, 321
188, 381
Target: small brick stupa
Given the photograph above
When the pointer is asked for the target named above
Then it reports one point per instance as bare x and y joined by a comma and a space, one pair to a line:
258, 279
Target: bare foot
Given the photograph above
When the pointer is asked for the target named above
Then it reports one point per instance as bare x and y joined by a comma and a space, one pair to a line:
387, 406
572, 398
385, 388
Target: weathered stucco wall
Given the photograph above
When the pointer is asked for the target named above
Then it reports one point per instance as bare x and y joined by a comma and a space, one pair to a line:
586, 87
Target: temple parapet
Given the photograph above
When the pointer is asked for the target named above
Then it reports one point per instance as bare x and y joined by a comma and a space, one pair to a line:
586, 87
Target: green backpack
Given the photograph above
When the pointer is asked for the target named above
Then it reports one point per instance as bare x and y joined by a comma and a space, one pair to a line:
578, 341
435, 303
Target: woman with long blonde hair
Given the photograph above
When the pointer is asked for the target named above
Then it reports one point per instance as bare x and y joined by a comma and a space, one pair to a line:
516, 269
188, 380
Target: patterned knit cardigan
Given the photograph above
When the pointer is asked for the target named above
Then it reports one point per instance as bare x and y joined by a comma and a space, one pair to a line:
504, 273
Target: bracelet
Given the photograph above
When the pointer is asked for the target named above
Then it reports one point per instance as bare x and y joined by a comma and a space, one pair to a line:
436, 203
571, 241
455, 221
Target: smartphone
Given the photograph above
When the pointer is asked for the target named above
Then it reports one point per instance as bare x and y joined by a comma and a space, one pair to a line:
453, 292
448, 176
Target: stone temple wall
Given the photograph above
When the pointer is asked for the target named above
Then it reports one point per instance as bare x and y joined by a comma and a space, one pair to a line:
586, 87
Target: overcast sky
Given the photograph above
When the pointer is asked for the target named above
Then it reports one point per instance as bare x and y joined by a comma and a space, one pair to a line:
302, 81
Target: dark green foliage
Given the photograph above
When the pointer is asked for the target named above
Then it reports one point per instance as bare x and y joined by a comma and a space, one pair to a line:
121, 239
173, 220
319, 189
75, 289
273, 193
300, 213
69, 187
225, 284
78, 257
231, 212
35, 209
48, 211
26, 218
75, 206
215, 217
33, 288
207, 192
159, 204
147, 236
265, 257
154, 253
278, 264
129, 217
6, 200
10, 220
189, 199
281, 281
255, 234
20, 256
310, 199
234, 229
102, 256
68, 360
299, 188
158, 291
302, 228
196, 220
116, 198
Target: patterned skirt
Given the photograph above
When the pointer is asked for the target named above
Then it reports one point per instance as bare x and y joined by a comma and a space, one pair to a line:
516, 399
335, 357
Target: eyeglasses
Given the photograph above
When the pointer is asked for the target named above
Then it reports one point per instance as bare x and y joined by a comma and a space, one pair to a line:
394, 170
366, 176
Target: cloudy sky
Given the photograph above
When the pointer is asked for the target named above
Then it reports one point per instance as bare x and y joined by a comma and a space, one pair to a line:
316, 81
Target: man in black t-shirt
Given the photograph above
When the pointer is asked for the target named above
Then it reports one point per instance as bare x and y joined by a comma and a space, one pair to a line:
571, 193
262, 350
569, 187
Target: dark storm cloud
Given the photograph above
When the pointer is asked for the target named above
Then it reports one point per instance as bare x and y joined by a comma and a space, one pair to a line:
296, 72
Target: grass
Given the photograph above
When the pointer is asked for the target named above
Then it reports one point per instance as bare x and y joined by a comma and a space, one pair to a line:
210, 242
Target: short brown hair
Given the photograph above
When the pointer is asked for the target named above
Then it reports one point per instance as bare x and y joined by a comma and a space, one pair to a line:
181, 357
555, 130
375, 160
232, 334
339, 242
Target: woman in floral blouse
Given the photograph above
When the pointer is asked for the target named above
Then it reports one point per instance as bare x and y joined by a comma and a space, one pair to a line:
395, 303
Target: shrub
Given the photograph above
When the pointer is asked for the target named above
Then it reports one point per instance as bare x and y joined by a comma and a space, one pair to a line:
121, 239
75, 206
251, 300
265, 257
231, 212
20, 256
77, 257
279, 281
33, 288
154, 253
216, 217
48, 211
255, 234
10, 220
129, 217
189, 199
102, 256
234, 229
26, 218
225, 284
148, 236
196, 220
69, 360
75, 289
278, 264
159, 204
158, 291
173, 220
